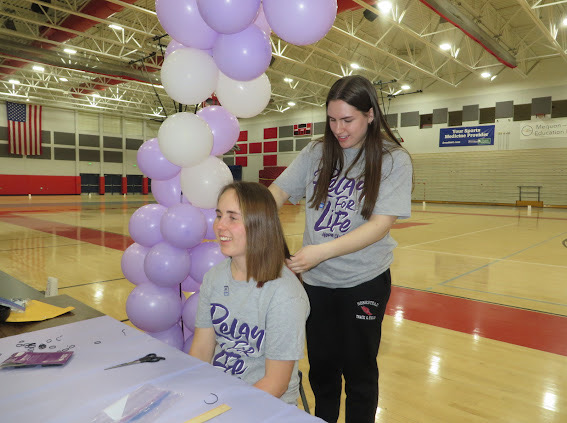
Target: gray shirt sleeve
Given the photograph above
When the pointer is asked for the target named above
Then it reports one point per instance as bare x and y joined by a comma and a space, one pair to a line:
394, 198
285, 337
293, 179
203, 317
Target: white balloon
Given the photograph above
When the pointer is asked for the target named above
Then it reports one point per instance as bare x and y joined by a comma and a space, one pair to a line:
202, 183
185, 139
244, 99
189, 75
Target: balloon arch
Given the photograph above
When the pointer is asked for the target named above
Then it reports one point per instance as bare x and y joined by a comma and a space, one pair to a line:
221, 47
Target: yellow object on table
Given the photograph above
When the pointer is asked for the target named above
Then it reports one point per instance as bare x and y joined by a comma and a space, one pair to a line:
37, 311
208, 415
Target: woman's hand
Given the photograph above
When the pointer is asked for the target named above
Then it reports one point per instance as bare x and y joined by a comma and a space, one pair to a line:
306, 258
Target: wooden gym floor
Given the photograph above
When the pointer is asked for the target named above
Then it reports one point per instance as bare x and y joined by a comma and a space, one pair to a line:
476, 327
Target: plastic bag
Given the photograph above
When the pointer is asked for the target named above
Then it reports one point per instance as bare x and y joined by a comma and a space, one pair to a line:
17, 305
143, 405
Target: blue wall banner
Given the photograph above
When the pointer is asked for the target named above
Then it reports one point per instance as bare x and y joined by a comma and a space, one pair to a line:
466, 136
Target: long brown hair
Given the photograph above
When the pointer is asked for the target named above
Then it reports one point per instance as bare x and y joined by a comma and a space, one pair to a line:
266, 248
361, 94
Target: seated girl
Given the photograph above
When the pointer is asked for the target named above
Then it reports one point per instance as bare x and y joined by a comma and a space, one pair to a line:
252, 309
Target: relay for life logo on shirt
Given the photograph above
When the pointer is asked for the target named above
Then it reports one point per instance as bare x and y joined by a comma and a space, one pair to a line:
241, 340
340, 205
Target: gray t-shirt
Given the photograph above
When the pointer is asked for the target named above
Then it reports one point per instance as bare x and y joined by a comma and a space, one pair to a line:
254, 324
341, 212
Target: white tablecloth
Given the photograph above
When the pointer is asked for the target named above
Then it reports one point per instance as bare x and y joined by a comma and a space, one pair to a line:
79, 390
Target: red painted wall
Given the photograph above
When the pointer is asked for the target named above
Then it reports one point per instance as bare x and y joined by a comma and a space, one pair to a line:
39, 184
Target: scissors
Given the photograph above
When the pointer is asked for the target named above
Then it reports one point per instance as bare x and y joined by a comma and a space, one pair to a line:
150, 358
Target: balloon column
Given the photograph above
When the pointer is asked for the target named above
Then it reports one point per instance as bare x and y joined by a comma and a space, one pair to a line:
218, 46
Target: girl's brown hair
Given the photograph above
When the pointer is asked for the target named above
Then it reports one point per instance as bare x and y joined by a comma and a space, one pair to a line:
266, 248
361, 94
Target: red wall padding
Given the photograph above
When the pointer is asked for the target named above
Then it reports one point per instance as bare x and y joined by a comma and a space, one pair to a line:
39, 184
101, 186
145, 185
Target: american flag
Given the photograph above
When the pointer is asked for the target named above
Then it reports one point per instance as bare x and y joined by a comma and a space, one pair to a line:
24, 128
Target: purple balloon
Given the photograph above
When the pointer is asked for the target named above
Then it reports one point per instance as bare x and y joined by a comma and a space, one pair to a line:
228, 16
172, 46
187, 333
132, 264
153, 164
224, 126
153, 308
210, 216
262, 23
183, 226
243, 56
190, 285
167, 193
172, 336
203, 257
189, 313
144, 225
187, 344
166, 265
300, 22
183, 22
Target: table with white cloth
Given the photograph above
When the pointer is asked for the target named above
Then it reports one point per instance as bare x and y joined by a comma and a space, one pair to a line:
80, 389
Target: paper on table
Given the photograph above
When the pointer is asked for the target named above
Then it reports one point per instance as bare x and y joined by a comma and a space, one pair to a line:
37, 311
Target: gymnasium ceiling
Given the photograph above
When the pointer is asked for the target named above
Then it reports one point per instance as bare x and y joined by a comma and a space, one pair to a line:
117, 70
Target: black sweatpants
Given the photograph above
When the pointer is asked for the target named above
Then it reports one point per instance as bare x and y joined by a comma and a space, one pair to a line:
343, 336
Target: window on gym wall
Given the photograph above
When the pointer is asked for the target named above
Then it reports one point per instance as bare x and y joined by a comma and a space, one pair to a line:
456, 118
522, 112
425, 121
559, 108
487, 115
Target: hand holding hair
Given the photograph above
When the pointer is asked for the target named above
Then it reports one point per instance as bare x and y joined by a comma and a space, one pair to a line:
306, 258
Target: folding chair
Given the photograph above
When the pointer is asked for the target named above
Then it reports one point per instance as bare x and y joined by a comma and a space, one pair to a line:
302, 393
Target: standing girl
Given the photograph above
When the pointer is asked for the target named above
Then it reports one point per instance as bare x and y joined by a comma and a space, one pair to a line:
357, 181
252, 309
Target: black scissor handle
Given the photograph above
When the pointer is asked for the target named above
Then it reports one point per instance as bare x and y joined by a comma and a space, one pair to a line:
151, 358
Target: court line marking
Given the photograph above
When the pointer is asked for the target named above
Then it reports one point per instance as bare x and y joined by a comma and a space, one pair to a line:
483, 257
445, 283
427, 290
518, 216
505, 296
38, 247
460, 235
93, 282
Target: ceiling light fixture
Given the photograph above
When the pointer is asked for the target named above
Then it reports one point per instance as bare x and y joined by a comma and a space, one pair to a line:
445, 46
117, 27
384, 6
286, 79
290, 103
355, 65
63, 79
70, 51
38, 68
13, 81
405, 87
486, 74
565, 21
